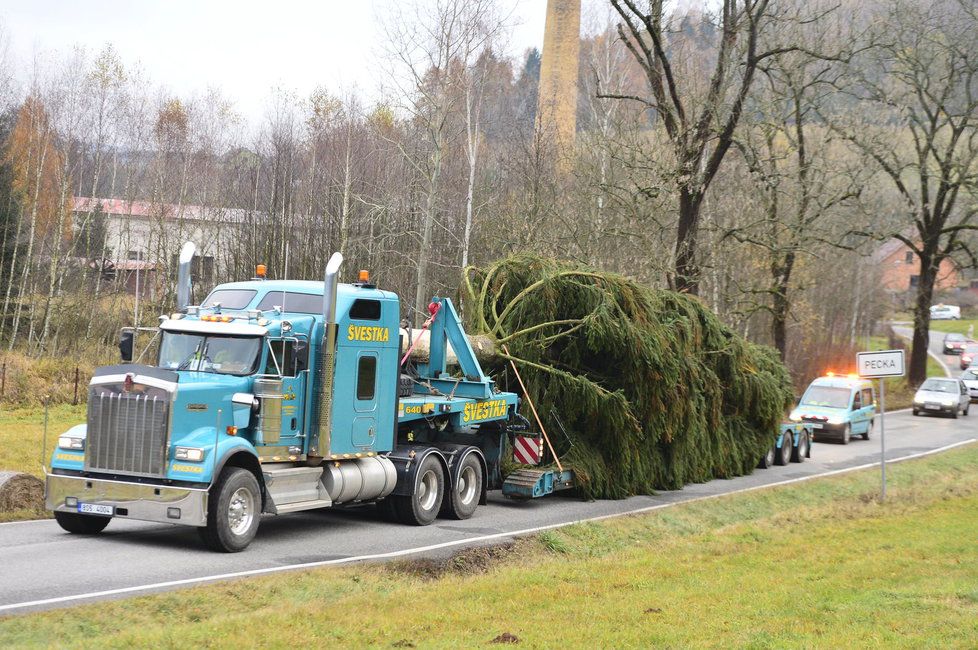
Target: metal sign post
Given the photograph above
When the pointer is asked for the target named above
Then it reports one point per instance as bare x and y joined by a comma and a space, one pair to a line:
880, 365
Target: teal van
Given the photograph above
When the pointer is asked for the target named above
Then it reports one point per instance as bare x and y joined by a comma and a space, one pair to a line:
838, 408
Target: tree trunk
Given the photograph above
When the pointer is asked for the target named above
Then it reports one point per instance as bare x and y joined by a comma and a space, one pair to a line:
687, 270
780, 304
921, 319
420, 297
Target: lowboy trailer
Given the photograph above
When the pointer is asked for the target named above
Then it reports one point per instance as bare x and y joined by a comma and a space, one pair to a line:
273, 397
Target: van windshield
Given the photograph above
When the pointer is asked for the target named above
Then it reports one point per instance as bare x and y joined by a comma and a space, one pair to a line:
830, 396
224, 355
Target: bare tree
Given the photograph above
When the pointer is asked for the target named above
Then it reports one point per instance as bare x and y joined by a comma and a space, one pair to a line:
699, 115
918, 123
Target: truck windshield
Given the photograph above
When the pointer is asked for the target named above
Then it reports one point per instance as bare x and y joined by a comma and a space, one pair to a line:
225, 355
830, 396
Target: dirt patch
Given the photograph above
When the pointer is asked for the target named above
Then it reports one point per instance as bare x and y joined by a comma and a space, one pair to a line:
468, 561
19, 491
506, 637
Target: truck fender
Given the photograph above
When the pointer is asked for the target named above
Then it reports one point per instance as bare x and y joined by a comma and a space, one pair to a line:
455, 454
243, 456
407, 459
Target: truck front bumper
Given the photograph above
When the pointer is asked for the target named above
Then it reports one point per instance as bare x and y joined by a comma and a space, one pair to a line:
169, 505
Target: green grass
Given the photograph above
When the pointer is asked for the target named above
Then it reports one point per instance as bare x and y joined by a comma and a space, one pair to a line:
955, 326
816, 564
21, 435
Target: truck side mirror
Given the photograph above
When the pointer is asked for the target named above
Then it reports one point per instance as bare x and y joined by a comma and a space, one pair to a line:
126, 343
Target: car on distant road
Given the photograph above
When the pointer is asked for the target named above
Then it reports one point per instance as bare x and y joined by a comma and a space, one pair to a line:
954, 343
942, 396
968, 355
837, 407
970, 379
945, 312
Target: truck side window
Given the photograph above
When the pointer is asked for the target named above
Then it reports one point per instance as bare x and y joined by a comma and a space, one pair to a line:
285, 355
366, 377
364, 309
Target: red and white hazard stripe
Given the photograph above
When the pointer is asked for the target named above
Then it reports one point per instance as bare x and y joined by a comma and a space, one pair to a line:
527, 450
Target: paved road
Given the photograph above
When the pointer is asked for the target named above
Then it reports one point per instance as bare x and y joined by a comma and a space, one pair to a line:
43, 567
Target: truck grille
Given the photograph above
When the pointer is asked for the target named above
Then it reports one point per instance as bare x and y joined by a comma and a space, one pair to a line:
127, 432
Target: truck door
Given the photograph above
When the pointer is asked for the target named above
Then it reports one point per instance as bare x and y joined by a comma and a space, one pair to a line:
289, 357
365, 404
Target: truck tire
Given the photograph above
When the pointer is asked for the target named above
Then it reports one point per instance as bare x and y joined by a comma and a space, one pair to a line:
233, 511
462, 499
421, 507
767, 460
784, 454
800, 453
81, 524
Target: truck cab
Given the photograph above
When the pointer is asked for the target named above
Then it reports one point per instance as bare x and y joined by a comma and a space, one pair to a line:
837, 407
277, 396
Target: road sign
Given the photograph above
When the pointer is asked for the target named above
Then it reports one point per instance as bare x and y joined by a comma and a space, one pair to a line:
882, 364
885, 363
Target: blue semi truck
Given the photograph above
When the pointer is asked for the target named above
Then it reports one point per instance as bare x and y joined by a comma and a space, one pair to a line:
281, 396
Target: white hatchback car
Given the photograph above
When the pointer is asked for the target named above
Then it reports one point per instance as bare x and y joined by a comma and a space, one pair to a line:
970, 379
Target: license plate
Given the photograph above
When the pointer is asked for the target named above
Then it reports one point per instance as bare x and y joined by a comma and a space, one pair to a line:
815, 425
932, 407
96, 509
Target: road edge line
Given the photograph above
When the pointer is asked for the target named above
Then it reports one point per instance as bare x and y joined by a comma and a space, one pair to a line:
469, 540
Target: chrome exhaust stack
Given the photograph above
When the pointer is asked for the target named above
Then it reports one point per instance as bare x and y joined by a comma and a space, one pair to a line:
183, 275
327, 357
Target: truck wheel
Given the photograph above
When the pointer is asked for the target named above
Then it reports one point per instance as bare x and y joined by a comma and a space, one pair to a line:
463, 498
233, 511
869, 430
767, 460
800, 452
422, 506
847, 434
81, 524
784, 454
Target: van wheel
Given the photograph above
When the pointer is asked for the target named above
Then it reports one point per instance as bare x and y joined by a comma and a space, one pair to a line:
421, 507
847, 434
801, 451
869, 430
233, 511
965, 411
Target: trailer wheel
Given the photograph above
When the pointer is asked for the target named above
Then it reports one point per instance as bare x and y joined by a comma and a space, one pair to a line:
800, 453
233, 511
81, 524
463, 498
421, 507
784, 454
767, 460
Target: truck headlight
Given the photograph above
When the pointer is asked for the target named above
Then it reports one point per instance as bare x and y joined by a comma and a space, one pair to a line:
70, 442
188, 453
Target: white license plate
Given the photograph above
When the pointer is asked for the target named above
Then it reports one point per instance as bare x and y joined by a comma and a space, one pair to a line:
96, 509
932, 407
815, 425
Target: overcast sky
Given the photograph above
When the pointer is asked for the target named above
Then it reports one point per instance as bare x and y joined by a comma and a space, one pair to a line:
244, 47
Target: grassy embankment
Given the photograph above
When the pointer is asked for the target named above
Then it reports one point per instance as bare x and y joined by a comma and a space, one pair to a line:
21, 435
817, 564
